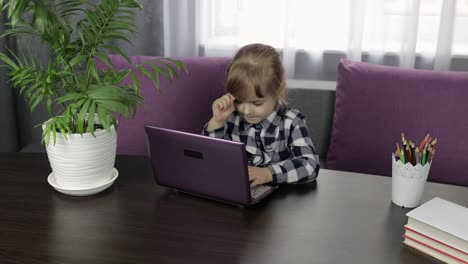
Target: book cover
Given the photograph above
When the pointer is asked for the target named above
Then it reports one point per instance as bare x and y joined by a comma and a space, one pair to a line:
433, 252
435, 244
443, 221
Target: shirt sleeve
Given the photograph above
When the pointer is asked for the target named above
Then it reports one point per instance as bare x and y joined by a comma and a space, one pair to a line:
223, 132
303, 166
216, 133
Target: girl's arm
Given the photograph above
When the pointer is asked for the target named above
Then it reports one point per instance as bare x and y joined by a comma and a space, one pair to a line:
303, 166
222, 108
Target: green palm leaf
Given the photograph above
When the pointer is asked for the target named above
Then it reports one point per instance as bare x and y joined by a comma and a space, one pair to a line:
73, 90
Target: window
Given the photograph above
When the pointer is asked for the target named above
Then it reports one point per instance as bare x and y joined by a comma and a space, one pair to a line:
319, 26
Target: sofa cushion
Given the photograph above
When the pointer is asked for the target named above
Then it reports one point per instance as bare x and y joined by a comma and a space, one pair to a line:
374, 104
185, 105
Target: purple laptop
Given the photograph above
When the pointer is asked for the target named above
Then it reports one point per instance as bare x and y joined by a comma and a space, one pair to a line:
203, 166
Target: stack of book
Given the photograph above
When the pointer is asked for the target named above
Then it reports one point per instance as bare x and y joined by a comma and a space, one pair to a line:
439, 228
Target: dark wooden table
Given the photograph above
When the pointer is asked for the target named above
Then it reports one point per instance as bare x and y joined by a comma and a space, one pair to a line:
343, 218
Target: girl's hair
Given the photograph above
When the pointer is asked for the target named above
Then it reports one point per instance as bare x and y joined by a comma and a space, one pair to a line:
257, 66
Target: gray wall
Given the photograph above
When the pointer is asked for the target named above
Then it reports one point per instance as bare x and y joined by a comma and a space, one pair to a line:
318, 106
8, 132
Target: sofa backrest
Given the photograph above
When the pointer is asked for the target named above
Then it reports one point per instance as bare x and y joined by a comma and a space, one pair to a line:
374, 104
185, 105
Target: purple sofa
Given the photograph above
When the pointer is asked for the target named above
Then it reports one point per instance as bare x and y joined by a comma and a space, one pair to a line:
185, 105
374, 104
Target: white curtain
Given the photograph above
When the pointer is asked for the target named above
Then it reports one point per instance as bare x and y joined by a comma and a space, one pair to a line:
180, 28
313, 35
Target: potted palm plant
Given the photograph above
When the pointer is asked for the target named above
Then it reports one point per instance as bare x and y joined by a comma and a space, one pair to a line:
83, 101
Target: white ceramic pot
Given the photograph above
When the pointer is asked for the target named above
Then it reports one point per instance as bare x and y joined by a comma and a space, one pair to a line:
83, 162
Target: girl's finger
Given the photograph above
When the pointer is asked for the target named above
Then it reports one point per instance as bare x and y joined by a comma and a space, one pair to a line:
224, 100
224, 104
219, 105
231, 97
253, 183
228, 104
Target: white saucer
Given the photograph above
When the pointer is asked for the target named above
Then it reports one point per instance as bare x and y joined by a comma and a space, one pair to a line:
83, 191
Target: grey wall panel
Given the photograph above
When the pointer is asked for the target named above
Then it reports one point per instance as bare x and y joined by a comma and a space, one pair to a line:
318, 106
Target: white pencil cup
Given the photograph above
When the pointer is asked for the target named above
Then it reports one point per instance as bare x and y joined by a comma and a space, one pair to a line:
408, 182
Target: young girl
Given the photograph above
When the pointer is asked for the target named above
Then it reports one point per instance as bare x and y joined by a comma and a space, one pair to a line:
254, 111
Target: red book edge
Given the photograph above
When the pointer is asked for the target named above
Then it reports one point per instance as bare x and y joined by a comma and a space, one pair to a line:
433, 239
433, 248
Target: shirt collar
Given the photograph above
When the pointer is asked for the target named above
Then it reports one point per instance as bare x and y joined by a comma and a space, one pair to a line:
273, 120
270, 123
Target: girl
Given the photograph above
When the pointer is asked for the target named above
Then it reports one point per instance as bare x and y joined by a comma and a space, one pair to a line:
254, 111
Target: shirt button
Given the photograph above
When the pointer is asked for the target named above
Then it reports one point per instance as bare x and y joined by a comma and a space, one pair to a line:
257, 138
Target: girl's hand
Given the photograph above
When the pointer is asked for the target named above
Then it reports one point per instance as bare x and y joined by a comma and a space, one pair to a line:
222, 108
258, 176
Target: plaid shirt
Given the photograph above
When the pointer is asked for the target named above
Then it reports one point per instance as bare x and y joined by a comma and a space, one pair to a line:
280, 142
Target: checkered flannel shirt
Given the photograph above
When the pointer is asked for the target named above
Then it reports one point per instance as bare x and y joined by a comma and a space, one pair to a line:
281, 142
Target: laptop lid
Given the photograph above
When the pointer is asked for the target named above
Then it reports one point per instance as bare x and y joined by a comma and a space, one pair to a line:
200, 165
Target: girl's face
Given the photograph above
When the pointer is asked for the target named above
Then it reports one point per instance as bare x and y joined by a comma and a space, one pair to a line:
255, 109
